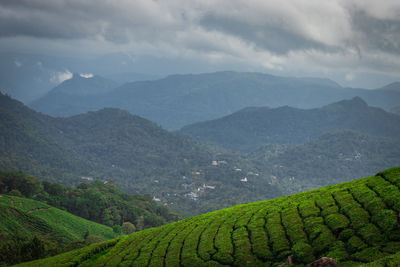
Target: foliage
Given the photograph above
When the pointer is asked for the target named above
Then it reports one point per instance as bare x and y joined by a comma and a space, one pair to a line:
128, 228
263, 233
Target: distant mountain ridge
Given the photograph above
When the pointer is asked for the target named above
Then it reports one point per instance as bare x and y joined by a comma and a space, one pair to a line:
179, 100
393, 87
245, 130
81, 85
74, 94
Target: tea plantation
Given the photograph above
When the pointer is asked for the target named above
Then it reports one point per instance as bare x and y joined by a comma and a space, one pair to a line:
356, 223
22, 219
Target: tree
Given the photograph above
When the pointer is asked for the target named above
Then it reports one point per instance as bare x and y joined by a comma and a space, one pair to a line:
117, 229
15, 192
34, 249
128, 228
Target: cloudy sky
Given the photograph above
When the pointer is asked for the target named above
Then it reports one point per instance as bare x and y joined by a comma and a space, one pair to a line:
355, 42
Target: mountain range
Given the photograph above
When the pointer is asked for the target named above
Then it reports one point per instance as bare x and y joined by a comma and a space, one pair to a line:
249, 128
189, 177
129, 151
27, 77
179, 100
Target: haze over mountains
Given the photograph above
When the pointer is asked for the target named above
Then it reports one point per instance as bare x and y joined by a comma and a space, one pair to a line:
190, 177
179, 100
74, 94
249, 128
27, 77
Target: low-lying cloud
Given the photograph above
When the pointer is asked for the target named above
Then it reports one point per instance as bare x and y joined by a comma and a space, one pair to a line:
59, 77
86, 75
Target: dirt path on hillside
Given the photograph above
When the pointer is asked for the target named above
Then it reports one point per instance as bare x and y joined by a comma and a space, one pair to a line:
30, 211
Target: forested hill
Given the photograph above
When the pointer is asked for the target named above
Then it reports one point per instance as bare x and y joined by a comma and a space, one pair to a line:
136, 154
355, 223
333, 158
97, 201
179, 100
249, 128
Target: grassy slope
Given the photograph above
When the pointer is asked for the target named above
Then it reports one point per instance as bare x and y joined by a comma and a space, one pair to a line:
21, 219
353, 222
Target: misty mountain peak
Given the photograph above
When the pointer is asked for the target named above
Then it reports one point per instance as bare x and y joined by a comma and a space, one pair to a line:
84, 84
358, 101
354, 103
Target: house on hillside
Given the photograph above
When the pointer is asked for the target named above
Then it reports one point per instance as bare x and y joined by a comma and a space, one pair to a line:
192, 196
209, 186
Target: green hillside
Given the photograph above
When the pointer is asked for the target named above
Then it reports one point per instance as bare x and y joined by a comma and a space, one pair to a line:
355, 223
23, 220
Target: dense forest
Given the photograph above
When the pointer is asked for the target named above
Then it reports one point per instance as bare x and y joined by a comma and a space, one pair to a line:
96, 201
332, 158
134, 153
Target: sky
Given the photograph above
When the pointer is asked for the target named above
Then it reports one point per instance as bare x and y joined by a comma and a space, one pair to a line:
354, 42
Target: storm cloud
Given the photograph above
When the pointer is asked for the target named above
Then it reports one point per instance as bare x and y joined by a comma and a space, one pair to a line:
338, 37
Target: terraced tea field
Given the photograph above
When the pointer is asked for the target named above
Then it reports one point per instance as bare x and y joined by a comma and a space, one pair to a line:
22, 218
355, 223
